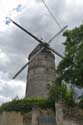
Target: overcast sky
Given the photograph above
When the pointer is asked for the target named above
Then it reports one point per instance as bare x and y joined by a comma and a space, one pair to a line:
15, 45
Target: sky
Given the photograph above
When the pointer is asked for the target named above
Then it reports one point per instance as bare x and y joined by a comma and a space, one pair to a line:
15, 45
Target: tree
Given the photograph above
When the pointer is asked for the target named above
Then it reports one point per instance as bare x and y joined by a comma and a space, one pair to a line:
62, 93
70, 69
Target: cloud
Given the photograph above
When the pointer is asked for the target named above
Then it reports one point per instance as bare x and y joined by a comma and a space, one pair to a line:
9, 89
3, 57
12, 88
4, 99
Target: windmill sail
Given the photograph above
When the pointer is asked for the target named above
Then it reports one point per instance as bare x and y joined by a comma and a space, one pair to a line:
26, 31
44, 45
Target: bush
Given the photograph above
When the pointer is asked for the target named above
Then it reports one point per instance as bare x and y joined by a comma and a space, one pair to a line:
69, 97
61, 93
81, 104
26, 104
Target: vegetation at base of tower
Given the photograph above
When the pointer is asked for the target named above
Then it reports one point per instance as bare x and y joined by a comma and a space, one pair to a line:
62, 93
80, 104
70, 68
26, 104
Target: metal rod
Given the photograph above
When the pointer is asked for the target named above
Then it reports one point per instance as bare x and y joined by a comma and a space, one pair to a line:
56, 52
57, 34
30, 34
52, 15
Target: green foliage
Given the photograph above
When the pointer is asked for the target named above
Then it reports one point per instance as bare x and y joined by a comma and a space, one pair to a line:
69, 97
81, 104
61, 93
54, 92
70, 68
26, 105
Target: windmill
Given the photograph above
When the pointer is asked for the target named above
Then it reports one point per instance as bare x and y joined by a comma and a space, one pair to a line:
41, 65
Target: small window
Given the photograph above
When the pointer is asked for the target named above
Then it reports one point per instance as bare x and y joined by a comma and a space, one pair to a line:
48, 86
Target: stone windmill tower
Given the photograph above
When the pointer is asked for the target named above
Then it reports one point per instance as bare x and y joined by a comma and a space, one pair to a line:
41, 72
41, 66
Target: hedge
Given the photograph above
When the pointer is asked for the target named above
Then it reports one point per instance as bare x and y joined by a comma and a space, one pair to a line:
26, 104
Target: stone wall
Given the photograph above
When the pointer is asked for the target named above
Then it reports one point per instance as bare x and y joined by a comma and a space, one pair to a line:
43, 117
39, 117
11, 118
36, 117
63, 119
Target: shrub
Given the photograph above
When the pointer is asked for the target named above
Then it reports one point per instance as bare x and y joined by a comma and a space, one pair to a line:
81, 104
26, 104
61, 93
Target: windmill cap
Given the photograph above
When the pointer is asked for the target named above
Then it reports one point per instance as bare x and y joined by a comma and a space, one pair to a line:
38, 47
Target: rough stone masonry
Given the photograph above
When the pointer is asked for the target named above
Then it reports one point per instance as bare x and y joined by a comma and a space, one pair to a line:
41, 72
